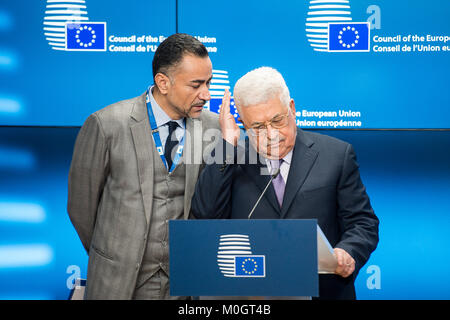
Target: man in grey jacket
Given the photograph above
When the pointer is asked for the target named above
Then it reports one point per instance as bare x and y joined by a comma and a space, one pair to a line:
134, 168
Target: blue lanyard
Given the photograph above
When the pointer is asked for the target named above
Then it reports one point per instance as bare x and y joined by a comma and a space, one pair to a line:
157, 138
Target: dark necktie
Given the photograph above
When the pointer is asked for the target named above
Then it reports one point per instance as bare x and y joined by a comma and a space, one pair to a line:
278, 183
171, 142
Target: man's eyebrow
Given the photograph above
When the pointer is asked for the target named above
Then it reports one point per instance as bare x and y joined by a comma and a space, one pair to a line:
201, 81
277, 115
257, 122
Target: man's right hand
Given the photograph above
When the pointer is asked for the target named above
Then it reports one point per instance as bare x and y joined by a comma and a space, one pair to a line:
230, 130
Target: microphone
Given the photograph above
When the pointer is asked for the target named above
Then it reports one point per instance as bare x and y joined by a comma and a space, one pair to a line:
274, 175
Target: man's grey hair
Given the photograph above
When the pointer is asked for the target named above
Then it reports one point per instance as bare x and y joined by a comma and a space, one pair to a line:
259, 86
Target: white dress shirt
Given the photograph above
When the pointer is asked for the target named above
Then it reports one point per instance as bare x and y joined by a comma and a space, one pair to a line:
285, 165
162, 119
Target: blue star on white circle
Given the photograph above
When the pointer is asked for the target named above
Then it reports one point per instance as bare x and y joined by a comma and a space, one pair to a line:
85, 30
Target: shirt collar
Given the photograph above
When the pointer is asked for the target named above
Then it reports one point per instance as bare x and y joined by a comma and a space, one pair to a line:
161, 116
287, 158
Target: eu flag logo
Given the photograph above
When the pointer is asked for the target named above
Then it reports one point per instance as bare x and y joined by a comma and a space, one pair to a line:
250, 266
349, 37
87, 36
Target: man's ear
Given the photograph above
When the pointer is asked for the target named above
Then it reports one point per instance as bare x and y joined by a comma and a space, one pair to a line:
292, 106
162, 82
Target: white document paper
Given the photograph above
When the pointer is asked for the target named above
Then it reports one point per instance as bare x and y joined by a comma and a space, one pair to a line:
77, 292
327, 263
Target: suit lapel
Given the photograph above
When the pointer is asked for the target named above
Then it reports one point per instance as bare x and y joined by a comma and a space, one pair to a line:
303, 159
144, 147
259, 175
192, 157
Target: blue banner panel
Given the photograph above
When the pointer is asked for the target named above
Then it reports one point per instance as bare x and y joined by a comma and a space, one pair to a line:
243, 258
41, 254
60, 61
406, 174
392, 73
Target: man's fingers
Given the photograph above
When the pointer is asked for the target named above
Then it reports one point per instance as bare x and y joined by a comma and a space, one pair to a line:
349, 267
339, 257
340, 265
225, 103
345, 263
230, 130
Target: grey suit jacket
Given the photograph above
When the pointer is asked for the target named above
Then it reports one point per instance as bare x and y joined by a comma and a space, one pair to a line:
111, 190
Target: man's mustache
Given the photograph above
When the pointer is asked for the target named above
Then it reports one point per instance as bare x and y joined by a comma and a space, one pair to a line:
199, 104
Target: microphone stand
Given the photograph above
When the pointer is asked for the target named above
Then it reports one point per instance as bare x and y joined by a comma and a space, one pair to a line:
274, 175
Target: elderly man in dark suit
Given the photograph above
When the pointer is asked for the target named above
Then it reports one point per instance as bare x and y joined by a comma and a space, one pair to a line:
318, 177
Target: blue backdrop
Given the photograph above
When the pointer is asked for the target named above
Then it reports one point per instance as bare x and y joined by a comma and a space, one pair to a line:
41, 84
46, 93
406, 173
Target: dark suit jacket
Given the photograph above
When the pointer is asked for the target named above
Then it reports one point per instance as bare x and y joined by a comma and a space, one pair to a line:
323, 183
